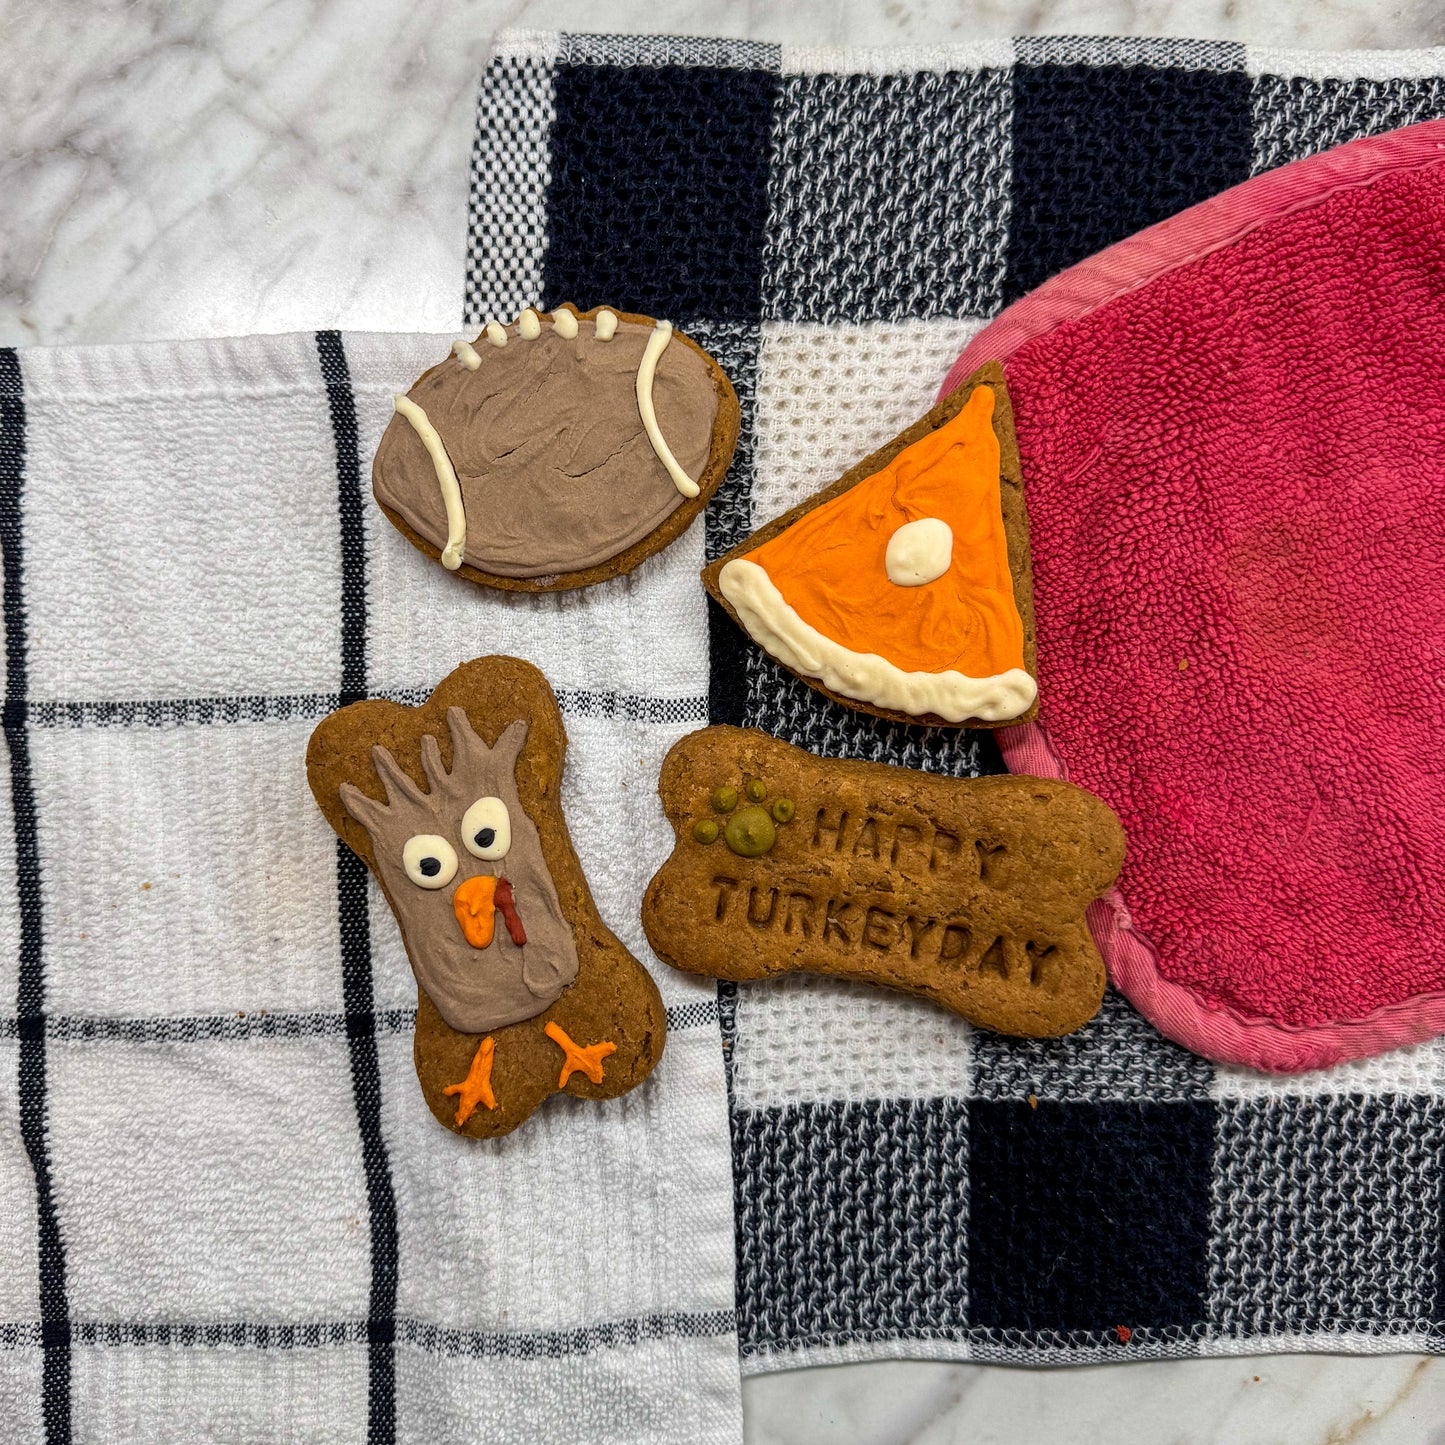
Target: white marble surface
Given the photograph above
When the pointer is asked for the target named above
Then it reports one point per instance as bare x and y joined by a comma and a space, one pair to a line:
198, 169
181, 168
1282, 1400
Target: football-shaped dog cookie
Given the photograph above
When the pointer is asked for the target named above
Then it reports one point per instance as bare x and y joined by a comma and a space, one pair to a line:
454, 807
969, 891
559, 451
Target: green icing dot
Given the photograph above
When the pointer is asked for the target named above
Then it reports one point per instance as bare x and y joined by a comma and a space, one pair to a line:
783, 810
750, 832
756, 790
705, 831
725, 799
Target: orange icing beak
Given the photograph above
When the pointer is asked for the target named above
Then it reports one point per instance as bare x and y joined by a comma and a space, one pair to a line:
476, 911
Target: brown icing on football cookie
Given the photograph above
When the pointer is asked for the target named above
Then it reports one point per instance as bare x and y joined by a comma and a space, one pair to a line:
969, 891
558, 451
454, 806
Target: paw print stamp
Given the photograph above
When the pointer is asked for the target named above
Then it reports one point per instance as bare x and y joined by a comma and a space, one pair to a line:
749, 830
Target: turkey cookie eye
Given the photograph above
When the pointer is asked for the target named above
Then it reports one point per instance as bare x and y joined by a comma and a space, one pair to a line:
430, 861
487, 829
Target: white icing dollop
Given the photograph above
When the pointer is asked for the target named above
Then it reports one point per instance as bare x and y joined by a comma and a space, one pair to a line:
919, 552
606, 325
529, 325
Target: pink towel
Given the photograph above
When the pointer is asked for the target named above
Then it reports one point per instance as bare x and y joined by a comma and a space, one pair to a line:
1233, 436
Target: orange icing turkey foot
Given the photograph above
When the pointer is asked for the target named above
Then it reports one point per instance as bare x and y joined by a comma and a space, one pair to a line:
578, 1059
476, 1088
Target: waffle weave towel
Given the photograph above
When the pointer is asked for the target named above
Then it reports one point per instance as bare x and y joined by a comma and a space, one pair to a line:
225, 1212
836, 226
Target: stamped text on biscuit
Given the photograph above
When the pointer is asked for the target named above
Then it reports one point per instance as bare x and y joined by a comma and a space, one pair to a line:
969, 891
843, 922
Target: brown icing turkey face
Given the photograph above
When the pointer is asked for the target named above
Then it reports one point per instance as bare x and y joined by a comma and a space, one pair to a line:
463, 868
554, 446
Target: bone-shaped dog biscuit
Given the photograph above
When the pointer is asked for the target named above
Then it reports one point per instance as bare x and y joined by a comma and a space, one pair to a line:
971, 892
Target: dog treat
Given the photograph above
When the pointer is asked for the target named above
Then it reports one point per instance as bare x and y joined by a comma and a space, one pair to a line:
904, 588
969, 891
559, 451
454, 807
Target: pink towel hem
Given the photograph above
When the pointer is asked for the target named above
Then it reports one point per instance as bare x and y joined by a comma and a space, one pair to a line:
1223, 1034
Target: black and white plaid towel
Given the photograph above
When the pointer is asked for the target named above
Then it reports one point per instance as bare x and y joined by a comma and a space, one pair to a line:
225, 1211
834, 226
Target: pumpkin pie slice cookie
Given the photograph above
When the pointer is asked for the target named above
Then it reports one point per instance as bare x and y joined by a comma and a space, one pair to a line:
904, 588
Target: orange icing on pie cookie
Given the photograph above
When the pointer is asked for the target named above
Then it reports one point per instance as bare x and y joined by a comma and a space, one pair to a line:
899, 588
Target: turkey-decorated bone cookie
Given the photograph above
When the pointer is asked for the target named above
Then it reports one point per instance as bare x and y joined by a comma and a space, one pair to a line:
968, 891
454, 806
558, 451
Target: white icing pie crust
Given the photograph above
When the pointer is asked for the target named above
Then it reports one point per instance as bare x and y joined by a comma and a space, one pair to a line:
774, 625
